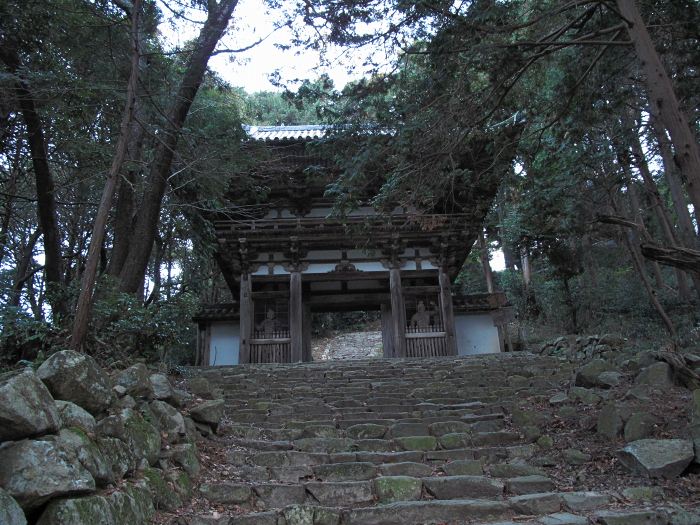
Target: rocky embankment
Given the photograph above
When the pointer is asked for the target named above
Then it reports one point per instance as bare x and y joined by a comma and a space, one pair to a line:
81, 447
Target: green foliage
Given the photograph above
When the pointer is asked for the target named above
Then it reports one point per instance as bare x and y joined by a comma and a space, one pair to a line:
160, 332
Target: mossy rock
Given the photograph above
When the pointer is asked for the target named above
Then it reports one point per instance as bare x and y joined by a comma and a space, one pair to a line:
78, 511
422, 443
455, 440
164, 497
366, 431
398, 488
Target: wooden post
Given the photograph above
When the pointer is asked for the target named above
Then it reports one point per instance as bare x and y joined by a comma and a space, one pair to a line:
306, 333
448, 317
296, 328
387, 333
246, 318
398, 312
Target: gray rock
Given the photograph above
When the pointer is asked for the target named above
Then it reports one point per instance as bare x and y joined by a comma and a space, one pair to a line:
398, 488
164, 497
588, 375
161, 387
139, 435
640, 425
185, 456
535, 504
657, 458
26, 407
75, 377
463, 467
583, 501
169, 420
136, 381
351, 471
456, 487
643, 493
529, 485
576, 457
229, 493
609, 422
34, 472
200, 387
658, 375
78, 511
73, 415
118, 455
563, 518
272, 496
629, 517
584, 395
133, 505
344, 493
609, 379
88, 454
10, 511
559, 398
209, 413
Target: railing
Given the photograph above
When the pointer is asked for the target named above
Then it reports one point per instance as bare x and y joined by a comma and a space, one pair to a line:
428, 341
271, 347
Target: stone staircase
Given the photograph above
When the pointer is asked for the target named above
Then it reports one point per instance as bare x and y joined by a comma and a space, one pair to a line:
388, 442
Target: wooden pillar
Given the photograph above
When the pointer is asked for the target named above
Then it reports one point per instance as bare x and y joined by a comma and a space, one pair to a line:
246, 318
448, 316
387, 332
296, 327
306, 333
398, 312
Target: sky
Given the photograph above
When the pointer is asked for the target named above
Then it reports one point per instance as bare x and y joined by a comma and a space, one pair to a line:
252, 69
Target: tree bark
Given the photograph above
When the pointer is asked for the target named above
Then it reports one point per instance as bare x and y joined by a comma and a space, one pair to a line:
664, 101
675, 186
45, 189
484, 256
638, 264
87, 281
133, 271
22, 271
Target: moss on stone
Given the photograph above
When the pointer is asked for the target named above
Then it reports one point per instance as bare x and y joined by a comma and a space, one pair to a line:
163, 495
422, 443
398, 488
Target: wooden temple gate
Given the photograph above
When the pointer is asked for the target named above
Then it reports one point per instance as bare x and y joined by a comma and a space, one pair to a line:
295, 258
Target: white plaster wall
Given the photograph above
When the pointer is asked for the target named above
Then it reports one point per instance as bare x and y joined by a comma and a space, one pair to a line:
225, 343
476, 334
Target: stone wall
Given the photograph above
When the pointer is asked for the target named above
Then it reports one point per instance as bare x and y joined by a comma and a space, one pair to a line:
78, 446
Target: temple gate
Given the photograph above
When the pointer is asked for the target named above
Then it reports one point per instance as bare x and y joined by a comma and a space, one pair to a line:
295, 257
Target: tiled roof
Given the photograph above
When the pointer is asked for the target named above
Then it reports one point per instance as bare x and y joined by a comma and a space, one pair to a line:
274, 133
208, 312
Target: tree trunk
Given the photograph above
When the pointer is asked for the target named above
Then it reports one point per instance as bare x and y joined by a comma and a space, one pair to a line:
133, 271
660, 210
663, 99
45, 190
87, 281
638, 264
484, 255
675, 186
22, 271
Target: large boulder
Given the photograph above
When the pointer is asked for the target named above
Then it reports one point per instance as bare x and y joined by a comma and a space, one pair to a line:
135, 381
10, 511
26, 407
161, 387
142, 438
170, 421
589, 374
209, 413
118, 455
76, 377
658, 375
88, 453
34, 472
657, 458
78, 511
74, 416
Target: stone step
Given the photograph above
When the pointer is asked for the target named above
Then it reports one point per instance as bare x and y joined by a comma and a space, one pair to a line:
370, 489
